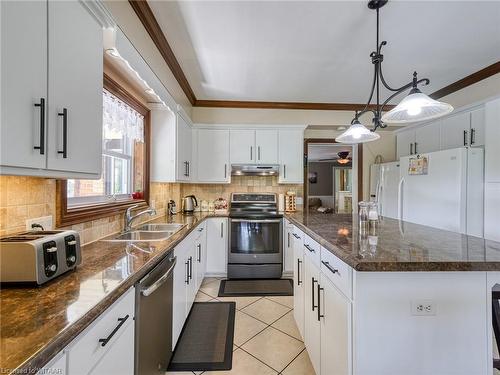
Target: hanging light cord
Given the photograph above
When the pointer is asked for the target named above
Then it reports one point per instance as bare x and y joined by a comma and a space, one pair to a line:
378, 77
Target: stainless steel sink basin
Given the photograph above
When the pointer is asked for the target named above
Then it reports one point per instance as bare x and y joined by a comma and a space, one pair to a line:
160, 227
140, 235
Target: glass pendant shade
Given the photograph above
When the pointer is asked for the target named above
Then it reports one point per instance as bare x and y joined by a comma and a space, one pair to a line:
416, 107
357, 133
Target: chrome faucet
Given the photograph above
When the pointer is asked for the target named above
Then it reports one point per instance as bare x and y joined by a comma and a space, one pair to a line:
129, 217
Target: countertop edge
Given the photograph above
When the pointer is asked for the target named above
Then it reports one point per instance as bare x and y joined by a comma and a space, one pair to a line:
43, 356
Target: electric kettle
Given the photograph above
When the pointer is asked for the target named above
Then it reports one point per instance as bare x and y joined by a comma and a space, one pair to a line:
189, 202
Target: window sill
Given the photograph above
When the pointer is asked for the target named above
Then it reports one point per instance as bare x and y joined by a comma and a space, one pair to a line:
77, 215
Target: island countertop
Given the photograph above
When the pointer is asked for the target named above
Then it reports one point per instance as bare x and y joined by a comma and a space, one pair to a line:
38, 322
398, 245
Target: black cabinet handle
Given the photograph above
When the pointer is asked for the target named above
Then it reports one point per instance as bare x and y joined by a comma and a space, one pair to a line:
259, 151
186, 169
319, 303
465, 137
416, 152
299, 281
284, 170
330, 268
472, 136
296, 236
121, 321
309, 248
251, 153
199, 252
64, 115
411, 148
187, 272
191, 267
41, 147
312, 294
225, 170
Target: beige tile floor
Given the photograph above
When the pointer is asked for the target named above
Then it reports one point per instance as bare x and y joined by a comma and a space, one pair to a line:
266, 338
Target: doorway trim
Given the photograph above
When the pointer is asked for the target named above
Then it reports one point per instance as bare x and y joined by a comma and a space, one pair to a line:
307, 142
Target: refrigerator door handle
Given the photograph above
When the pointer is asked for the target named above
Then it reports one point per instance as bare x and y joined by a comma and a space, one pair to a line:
400, 198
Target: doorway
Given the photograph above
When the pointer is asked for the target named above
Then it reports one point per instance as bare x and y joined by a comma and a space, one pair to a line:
332, 182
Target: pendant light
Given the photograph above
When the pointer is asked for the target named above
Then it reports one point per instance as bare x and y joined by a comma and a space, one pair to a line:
414, 108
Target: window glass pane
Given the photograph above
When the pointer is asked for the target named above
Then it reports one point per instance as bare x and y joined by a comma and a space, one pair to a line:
123, 158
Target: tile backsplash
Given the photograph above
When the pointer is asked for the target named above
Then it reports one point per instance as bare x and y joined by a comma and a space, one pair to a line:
23, 198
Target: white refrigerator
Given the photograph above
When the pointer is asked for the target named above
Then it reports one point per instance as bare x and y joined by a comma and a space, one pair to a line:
449, 196
384, 179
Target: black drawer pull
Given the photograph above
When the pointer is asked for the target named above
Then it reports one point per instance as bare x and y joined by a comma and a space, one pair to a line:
121, 321
299, 281
309, 248
319, 303
327, 265
42, 126
64, 115
313, 281
296, 236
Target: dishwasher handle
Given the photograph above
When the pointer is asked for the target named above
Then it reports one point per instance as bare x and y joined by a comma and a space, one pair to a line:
150, 290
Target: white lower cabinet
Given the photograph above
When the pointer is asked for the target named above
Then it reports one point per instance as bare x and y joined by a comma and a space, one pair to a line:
335, 323
298, 279
312, 326
201, 254
107, 346
287, 248
217, 246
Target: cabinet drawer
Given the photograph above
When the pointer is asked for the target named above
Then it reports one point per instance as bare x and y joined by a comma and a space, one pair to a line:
339, 273
199, 231
86, 351
312, 249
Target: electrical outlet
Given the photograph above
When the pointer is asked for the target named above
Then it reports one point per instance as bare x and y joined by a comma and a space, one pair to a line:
45, 221
423, 307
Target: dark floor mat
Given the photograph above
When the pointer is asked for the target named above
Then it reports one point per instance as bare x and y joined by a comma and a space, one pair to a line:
206, 341
256, 287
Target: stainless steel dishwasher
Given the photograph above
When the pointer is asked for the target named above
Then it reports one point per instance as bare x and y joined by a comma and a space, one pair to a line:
153, 325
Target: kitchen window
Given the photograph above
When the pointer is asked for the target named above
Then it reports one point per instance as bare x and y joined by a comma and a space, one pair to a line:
124, 179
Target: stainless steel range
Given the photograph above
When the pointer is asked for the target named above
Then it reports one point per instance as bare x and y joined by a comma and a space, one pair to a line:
256, 237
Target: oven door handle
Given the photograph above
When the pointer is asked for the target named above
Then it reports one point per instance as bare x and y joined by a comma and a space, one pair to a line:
256, 221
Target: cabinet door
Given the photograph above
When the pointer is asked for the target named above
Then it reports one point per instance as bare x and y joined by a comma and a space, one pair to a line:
201, 257
119, 359
217, 246
491, 210
23, 83
405, 143
291, 156
213, 156
298, 281
75, 89
312, 327
427, 139
335, 330
179, 293
477, 127
242, 147
492, 141
184, 150
455, 131
192, 268
266, 142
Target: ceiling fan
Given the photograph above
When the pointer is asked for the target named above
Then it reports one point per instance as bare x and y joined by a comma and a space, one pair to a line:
343, 158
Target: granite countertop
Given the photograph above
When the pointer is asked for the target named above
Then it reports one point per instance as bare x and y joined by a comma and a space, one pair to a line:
38, 322
397, 245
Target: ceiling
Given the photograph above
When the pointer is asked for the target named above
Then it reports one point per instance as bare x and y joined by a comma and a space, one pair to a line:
308, 51
319, 152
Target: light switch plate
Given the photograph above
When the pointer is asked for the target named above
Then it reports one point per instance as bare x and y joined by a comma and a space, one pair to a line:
45, 221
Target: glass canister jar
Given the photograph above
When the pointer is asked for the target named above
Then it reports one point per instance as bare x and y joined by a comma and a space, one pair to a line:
373, 217
363, 217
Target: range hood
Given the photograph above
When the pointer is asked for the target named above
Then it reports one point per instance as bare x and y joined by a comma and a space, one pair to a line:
255, 169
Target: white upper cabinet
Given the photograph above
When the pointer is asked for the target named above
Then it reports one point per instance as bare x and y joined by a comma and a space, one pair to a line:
242, 146
492, 141
171, 146
477, 127
51, 89
184, 150
291, 156
75, 89
213, 155
266, 143
427, 139
455, 131
405, 143
23, 83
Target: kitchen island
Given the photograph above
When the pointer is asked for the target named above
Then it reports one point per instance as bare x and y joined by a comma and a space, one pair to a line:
408, 299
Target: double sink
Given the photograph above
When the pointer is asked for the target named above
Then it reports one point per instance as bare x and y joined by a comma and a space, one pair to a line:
148, 233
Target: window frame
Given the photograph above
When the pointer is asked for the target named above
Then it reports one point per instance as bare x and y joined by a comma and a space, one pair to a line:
69, 216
